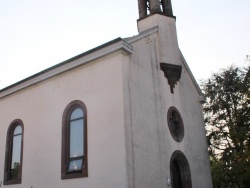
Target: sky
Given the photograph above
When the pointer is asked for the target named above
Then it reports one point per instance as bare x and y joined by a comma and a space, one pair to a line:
35, 35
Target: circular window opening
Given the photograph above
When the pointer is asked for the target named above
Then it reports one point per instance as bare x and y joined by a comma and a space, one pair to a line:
175, 124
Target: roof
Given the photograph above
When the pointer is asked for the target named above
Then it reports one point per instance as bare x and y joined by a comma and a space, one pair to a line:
83, 58
90, 55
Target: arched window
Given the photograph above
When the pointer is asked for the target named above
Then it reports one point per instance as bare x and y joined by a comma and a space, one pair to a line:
14, 153
180, 171
74, 141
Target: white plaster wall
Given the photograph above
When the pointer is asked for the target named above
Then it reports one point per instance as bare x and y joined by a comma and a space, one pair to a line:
99, 85
127, 98
142, 117
168, 49
193, 145
147, 100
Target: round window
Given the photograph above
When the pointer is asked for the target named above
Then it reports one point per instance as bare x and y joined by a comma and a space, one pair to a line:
175, 124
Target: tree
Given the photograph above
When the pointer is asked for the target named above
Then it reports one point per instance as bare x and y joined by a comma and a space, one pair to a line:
15, 170
227, 120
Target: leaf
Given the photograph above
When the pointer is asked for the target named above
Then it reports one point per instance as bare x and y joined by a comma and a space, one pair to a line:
227, 122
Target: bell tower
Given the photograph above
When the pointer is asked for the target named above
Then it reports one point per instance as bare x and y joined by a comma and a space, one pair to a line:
159, 14
150, 7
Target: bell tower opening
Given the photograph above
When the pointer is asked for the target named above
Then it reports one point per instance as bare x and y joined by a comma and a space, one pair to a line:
149, 7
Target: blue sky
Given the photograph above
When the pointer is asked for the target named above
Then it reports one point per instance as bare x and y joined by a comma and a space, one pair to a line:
35, 35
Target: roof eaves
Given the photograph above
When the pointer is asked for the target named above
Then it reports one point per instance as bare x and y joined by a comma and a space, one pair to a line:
141, 35
192, 78
93, 54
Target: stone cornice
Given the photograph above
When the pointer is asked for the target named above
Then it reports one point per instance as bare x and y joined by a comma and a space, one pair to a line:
172, 73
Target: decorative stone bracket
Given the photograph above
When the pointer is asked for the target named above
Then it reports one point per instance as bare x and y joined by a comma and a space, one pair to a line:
172, 73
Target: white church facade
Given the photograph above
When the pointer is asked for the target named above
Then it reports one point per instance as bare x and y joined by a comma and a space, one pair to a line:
126, 114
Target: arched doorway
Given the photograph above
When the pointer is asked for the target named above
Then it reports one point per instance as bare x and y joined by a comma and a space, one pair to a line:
180, 171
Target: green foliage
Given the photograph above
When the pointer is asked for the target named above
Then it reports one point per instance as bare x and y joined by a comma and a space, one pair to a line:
227, 119
15, 170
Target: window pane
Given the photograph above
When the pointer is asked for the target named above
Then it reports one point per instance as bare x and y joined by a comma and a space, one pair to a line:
75, 165
77, 113
76, 138
18, 130
16, 152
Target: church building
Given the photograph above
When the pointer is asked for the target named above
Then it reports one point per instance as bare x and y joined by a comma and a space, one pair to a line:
126, 114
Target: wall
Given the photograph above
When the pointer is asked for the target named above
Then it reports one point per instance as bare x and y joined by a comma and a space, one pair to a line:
99, 85
148, 97
127, 98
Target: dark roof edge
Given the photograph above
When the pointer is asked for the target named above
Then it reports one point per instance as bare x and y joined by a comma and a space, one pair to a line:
198, 89
63, 63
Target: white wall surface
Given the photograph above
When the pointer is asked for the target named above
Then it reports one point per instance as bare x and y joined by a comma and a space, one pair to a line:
148, 100
127, 98
99, 85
